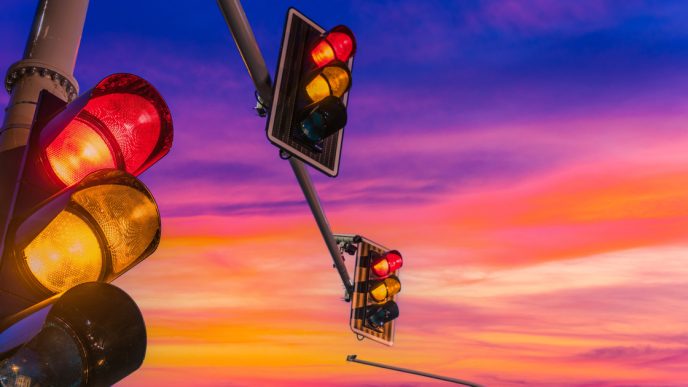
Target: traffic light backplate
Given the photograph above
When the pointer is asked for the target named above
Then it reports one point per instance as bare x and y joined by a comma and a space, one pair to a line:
300, 35
361, 300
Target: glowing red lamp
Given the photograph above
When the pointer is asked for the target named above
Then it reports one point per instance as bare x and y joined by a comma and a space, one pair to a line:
121, 123
338, 44
387, 264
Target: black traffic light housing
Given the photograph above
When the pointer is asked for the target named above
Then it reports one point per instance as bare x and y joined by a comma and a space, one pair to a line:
374, 306
306, 125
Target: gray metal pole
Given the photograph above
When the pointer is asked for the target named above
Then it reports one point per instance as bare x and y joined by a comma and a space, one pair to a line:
248, 47
312, 197
352, 358
253, 59
48, 64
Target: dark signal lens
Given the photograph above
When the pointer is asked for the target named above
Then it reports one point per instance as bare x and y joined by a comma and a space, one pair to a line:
380, 315
324, 120
328, 81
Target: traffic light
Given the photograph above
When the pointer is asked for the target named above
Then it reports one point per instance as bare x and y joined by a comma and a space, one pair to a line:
80, 213
91, 335
308, 112
121, 123
376, 286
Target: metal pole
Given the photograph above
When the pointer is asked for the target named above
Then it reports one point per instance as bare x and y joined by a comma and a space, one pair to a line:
248, 47
312, 197
48, 64
352, 358
253, 59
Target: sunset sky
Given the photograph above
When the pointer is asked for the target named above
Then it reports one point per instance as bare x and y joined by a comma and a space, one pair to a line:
529, 158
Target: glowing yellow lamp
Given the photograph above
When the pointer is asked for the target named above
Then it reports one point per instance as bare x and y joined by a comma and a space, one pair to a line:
66, 253
95, 231
332, 80
129, 223
380, 291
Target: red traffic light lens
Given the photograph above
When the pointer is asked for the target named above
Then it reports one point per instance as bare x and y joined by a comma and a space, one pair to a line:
134, 123
323, 53
338, 44
121, 123
387, 264
77, 151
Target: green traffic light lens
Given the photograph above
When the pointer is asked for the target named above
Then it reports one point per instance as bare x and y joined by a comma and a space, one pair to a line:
378, 316
324, 120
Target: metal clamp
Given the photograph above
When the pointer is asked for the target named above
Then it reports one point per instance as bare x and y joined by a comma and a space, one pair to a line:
22, 69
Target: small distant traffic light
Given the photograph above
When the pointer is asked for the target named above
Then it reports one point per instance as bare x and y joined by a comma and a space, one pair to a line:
376, 285
80, 215
308, 112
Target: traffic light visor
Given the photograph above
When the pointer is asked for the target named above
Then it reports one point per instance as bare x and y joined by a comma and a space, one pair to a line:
97, 230
121, 123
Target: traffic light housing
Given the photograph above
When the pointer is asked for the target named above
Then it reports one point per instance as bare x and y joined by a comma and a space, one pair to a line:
374, 306
91, 335
309, 107
80, 213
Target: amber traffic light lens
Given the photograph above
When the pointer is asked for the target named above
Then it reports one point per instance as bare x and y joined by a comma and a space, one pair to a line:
328, 81
128, 219
382, 290
93, 231
66, 253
